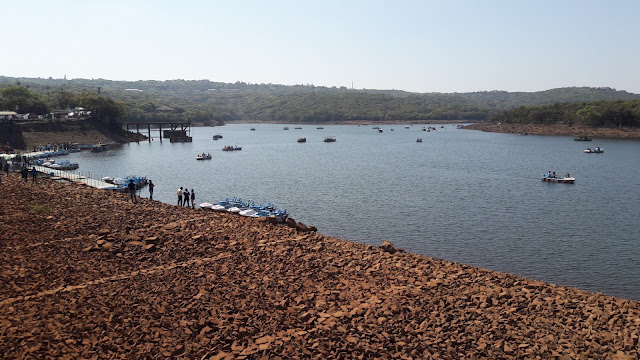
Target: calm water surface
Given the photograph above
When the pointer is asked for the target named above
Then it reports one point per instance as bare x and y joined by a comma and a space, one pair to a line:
460, 195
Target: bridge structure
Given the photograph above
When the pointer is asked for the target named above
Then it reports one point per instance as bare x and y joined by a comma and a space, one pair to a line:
175, 131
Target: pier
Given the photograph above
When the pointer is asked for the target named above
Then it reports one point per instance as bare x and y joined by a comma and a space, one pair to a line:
176, 131
87, 179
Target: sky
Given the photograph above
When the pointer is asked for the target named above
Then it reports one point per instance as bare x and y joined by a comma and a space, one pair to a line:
412, 45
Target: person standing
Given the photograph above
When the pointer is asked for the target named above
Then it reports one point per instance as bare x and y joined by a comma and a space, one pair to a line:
180, 196
186, 197
34, 173
25, 173
151, 190
193, 199
6, 167
132, 191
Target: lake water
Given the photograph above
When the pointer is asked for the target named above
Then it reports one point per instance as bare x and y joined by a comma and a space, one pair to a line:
460, 195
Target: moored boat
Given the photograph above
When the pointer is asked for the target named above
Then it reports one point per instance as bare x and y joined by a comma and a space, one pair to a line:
302, 139
330, 139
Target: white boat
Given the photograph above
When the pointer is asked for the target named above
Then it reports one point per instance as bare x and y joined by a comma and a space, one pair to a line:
218, 208
203, 156
554, 178
597, 150
234, 210
248, 212
206, 205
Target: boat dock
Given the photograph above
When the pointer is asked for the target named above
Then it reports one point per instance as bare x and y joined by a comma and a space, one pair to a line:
73, 177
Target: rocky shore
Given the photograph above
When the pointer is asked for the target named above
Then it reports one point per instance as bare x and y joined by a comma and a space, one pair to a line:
559, 130
85, 273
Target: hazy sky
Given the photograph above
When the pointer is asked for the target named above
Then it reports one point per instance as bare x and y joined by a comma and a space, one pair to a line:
421, 46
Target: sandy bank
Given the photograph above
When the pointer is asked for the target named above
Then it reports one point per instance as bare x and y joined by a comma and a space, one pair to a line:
560, 130
86, 274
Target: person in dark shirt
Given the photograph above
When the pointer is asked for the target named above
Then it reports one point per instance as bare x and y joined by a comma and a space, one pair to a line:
132, 191
34, 173
186, 197
193, 199
151, 190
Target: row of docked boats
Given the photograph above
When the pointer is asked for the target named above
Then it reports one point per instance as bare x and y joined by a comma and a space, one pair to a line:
247, 208
123, 183
52, 164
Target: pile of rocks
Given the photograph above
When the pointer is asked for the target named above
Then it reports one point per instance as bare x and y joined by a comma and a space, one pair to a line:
86, 274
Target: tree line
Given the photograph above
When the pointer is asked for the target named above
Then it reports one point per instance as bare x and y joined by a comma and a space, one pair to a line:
213, 103
594, 114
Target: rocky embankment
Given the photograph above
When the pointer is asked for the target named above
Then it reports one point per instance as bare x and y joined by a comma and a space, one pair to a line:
559, 130
86, 274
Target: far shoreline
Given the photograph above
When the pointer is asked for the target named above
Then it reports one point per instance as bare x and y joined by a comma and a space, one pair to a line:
556, 130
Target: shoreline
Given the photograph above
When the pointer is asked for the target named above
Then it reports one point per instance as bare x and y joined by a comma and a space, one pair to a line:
556, 130
138, 280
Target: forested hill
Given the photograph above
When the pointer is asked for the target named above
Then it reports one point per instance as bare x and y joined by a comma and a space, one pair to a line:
207, 101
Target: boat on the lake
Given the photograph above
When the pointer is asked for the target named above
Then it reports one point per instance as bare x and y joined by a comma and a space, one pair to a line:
298, 128
99, 147
419, 140
285, 128
581, 138
217, 136
203, 156
302, 139
597, 150
319, 128
567, 179
231, 148
252, 129
330, 139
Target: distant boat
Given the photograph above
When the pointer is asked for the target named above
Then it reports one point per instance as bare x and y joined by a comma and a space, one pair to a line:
419, 140
231, 148
285, 128
581, 138
252, 129
319, 127
330, 139
203, 156
298, 128
554, 178
99, 147
597, 150
302, 139
217, 136
379, 130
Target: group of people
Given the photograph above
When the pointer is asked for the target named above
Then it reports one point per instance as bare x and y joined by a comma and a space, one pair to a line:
132, 190
184, 196
552, 175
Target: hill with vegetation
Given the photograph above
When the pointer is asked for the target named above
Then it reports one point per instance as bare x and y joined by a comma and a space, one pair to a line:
207, 102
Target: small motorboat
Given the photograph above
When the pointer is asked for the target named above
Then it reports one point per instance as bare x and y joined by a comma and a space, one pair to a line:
581, 138
217, 136
330, 139
252, 129
319, 128
419, 140
554, 178
231, 148
597, 150
285, 128
203, 156
302, 139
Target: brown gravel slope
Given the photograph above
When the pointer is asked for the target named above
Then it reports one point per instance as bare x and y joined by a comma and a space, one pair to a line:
86, 274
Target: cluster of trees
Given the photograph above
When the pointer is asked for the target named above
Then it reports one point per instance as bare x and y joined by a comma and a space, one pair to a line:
212, 103
24, 101
594, 114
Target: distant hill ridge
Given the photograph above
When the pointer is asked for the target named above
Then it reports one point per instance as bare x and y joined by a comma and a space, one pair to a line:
204, 100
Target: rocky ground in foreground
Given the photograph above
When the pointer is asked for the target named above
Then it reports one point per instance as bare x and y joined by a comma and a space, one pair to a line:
560, 130
86, 274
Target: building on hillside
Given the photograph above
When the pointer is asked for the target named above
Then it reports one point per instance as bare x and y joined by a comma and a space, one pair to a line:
60, 114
